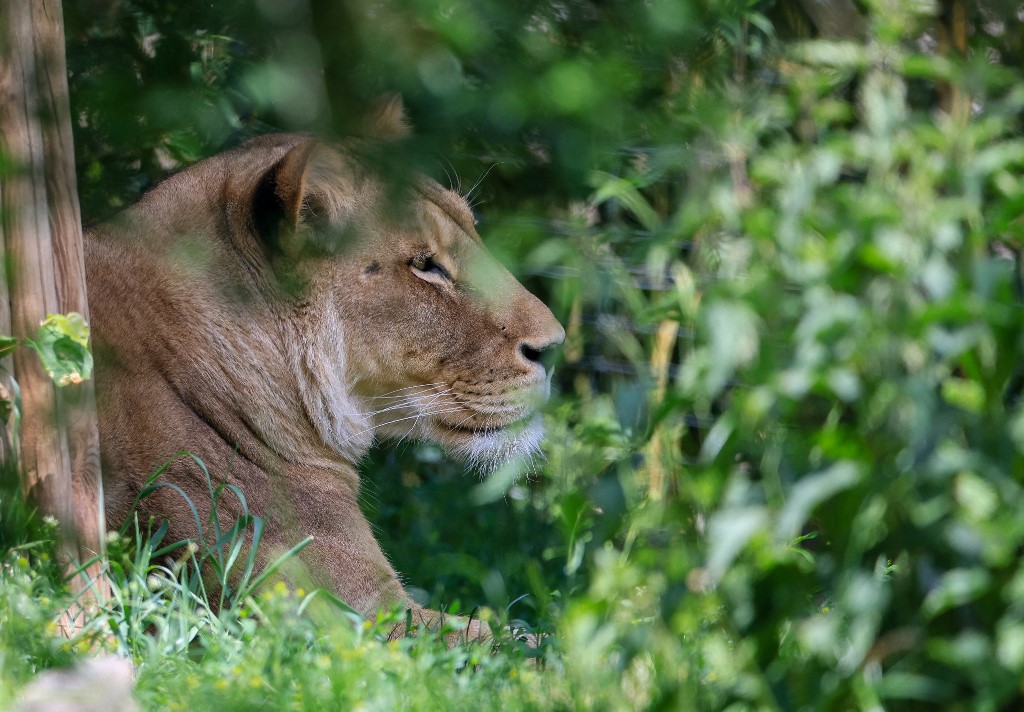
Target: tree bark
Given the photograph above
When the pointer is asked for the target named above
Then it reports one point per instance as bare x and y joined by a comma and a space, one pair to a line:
41, 235
835, 19
952, 31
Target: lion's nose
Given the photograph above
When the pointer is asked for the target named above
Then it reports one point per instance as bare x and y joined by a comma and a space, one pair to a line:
532, 349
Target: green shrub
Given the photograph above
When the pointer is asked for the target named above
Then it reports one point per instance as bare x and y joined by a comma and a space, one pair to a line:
843, 529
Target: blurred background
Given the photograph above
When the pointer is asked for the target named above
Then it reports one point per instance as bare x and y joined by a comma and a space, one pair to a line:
784, 464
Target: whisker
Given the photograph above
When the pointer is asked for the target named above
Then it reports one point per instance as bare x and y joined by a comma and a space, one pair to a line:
408, 432
432, 401
451, 183
445, 407
479, 182
407, 388
410, 417
466, 419
396, 406
458, 178
410, 402
413, 387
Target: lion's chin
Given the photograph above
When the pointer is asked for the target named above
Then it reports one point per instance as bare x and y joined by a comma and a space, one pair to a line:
487, 450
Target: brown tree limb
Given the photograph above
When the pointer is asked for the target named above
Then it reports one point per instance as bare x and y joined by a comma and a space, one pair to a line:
835, 19
951, 30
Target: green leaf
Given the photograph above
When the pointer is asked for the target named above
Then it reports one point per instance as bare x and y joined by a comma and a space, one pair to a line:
7, 344
829, 53
811, 491
623, 192
72, 325
62, 344
729, 532
965, 394
956, 588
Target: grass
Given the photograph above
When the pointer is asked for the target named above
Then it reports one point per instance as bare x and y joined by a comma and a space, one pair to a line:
245, 642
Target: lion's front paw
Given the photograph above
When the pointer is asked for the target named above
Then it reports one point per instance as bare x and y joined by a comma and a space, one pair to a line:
456, 630
525, 636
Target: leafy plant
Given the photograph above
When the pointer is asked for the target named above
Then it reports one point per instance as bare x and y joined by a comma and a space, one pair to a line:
62, 344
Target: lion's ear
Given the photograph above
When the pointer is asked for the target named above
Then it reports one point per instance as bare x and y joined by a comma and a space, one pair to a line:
277, 200
294, 193
386, 119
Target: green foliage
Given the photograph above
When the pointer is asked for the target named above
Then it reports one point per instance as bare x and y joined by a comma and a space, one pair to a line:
62, 344
30, 590
874, 403
28, 603
784, 467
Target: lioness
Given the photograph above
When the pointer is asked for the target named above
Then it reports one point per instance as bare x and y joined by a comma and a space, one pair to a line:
274, 308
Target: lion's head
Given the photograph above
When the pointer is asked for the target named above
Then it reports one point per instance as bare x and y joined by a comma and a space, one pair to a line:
410, 328
301, 300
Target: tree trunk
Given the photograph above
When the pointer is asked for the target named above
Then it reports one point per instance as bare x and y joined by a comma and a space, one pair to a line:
41, 237
835, 19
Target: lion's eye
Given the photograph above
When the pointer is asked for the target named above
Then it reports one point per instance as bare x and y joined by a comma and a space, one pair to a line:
425, 266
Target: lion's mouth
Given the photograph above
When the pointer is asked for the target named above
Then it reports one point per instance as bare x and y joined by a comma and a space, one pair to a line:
487, 446
474, 431
485, 430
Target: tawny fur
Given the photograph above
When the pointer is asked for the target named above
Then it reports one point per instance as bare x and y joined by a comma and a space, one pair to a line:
270, 310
